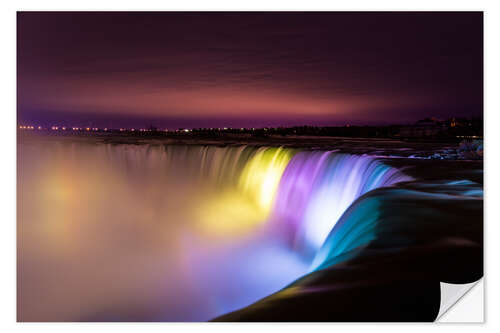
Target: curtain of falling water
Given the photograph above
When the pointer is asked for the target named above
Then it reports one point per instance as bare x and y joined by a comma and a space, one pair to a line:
181, 233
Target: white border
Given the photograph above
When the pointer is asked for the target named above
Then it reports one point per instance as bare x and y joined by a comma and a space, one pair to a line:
8, 127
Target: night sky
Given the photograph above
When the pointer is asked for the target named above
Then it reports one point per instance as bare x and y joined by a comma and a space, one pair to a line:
247, 69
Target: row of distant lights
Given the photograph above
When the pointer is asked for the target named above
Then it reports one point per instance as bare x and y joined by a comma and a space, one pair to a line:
64, 128
469, 136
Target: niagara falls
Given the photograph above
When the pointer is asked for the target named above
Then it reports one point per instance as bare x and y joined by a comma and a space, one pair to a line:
193, 232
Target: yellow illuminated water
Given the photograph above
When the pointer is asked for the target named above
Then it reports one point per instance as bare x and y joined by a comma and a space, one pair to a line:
242, 210
229, 213
261, 176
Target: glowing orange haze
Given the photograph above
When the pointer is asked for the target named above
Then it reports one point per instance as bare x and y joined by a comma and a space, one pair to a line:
222, 101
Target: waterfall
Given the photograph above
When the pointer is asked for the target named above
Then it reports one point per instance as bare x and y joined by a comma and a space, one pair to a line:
219, 227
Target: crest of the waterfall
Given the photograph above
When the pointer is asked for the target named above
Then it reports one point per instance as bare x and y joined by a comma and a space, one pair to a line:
318, 187
193, 163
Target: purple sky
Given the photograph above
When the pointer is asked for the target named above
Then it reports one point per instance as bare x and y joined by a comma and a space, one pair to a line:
247, 69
